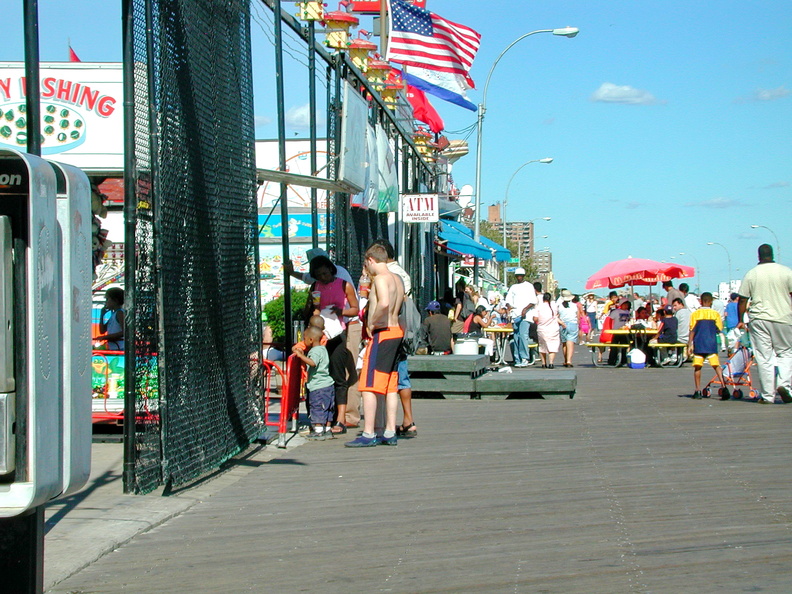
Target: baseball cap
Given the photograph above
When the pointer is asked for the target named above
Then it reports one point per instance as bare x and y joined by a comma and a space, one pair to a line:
433, 306
518, 271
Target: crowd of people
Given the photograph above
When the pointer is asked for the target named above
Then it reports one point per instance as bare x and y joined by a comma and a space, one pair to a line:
354, 351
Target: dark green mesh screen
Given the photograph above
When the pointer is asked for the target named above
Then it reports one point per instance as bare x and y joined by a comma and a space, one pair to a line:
196, 278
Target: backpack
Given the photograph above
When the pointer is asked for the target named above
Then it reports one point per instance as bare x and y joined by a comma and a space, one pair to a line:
414, 333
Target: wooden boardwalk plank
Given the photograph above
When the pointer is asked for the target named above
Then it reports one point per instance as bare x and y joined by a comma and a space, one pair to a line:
630, 487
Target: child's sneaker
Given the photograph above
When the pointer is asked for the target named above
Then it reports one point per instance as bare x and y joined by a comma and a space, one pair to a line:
316, 436
697, 395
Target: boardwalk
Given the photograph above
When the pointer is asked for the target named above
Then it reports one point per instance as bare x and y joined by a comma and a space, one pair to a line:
630, 487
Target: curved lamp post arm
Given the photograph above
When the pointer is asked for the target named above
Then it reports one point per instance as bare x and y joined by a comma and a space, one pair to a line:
697, 269
728, 259
482, 107
778, 245
563, 32
506, 201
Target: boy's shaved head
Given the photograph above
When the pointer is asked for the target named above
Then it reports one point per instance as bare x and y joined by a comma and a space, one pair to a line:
312, 332
317, 322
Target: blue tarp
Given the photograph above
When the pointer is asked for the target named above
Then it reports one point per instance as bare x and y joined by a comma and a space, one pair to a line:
462, 243
501, 253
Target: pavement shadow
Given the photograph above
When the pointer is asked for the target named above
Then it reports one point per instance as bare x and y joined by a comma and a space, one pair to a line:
68, 503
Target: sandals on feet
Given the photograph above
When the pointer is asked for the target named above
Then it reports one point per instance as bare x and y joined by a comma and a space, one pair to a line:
408, 431
339, 428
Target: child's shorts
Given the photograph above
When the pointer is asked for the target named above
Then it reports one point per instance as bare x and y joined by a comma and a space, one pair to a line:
698, 360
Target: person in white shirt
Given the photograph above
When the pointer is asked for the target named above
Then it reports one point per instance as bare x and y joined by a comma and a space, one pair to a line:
521, 298
768, 287
691, 301
682, 314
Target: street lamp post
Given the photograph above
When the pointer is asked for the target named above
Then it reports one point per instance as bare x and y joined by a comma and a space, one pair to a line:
506, 201
698, 270
778, 244
482, 108
728, 259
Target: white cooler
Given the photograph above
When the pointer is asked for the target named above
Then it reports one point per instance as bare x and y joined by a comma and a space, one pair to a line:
466, 346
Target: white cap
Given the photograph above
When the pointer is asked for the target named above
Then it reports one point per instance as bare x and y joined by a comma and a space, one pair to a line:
519, 271
313, 252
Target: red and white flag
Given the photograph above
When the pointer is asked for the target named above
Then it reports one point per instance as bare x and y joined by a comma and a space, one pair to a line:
422, 38
73, 56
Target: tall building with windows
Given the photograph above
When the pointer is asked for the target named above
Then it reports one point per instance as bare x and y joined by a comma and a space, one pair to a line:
520, 232
543, 260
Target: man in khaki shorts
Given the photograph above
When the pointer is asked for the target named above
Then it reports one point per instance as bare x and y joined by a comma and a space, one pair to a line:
768, 287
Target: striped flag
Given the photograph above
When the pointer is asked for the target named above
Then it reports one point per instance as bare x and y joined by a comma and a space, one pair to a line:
421, 38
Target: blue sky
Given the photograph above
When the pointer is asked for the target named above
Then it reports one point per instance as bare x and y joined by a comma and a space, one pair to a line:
670, 122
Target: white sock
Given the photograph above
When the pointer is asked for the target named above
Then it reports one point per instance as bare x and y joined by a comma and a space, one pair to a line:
369, 435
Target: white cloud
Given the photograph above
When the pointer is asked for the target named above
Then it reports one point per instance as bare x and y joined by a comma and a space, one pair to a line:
625, 94
259, 121
298, 117
770, 94
719, 202
773, 186
765, 95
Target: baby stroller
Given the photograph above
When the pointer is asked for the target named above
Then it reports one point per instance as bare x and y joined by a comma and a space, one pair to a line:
736, 374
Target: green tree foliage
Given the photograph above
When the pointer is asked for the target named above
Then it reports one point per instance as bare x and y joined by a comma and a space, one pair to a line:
275, 310
489, 231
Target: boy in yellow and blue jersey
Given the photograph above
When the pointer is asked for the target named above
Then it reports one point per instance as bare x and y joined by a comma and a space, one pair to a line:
705, 325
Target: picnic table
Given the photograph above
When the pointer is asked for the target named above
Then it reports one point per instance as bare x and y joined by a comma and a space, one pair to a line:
501, 335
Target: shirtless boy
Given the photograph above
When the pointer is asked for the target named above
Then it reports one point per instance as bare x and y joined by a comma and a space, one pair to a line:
379, 375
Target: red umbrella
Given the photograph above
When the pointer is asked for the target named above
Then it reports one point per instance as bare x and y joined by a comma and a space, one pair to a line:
636, 271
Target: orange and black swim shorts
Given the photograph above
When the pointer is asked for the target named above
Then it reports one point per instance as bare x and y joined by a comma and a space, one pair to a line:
379, 374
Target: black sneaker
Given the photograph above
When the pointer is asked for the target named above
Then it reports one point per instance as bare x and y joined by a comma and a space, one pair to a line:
783, 391
697, 395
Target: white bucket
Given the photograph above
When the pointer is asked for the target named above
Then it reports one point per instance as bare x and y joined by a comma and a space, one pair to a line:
466, 347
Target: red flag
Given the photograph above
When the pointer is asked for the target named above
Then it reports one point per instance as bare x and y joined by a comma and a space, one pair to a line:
72, 56
423, 110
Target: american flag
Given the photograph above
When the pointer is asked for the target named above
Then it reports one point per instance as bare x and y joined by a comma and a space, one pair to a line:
421, 38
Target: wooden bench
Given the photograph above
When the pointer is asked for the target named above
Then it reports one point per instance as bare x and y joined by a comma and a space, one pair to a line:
621, 359
680, 353
449, 376
526, 384
464, 377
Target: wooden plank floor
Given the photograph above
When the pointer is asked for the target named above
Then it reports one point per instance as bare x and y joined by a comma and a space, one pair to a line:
630, 487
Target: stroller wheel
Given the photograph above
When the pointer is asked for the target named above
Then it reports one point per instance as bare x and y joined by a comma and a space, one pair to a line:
738, 394
723, 393
705, 392
753, 393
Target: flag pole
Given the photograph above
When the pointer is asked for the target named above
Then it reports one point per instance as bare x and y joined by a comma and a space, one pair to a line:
383, 28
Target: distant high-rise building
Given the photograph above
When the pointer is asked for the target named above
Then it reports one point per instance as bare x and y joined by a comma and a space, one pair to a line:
520, 232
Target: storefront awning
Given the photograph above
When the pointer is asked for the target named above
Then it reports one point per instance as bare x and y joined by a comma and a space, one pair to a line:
460, 242
500, 253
